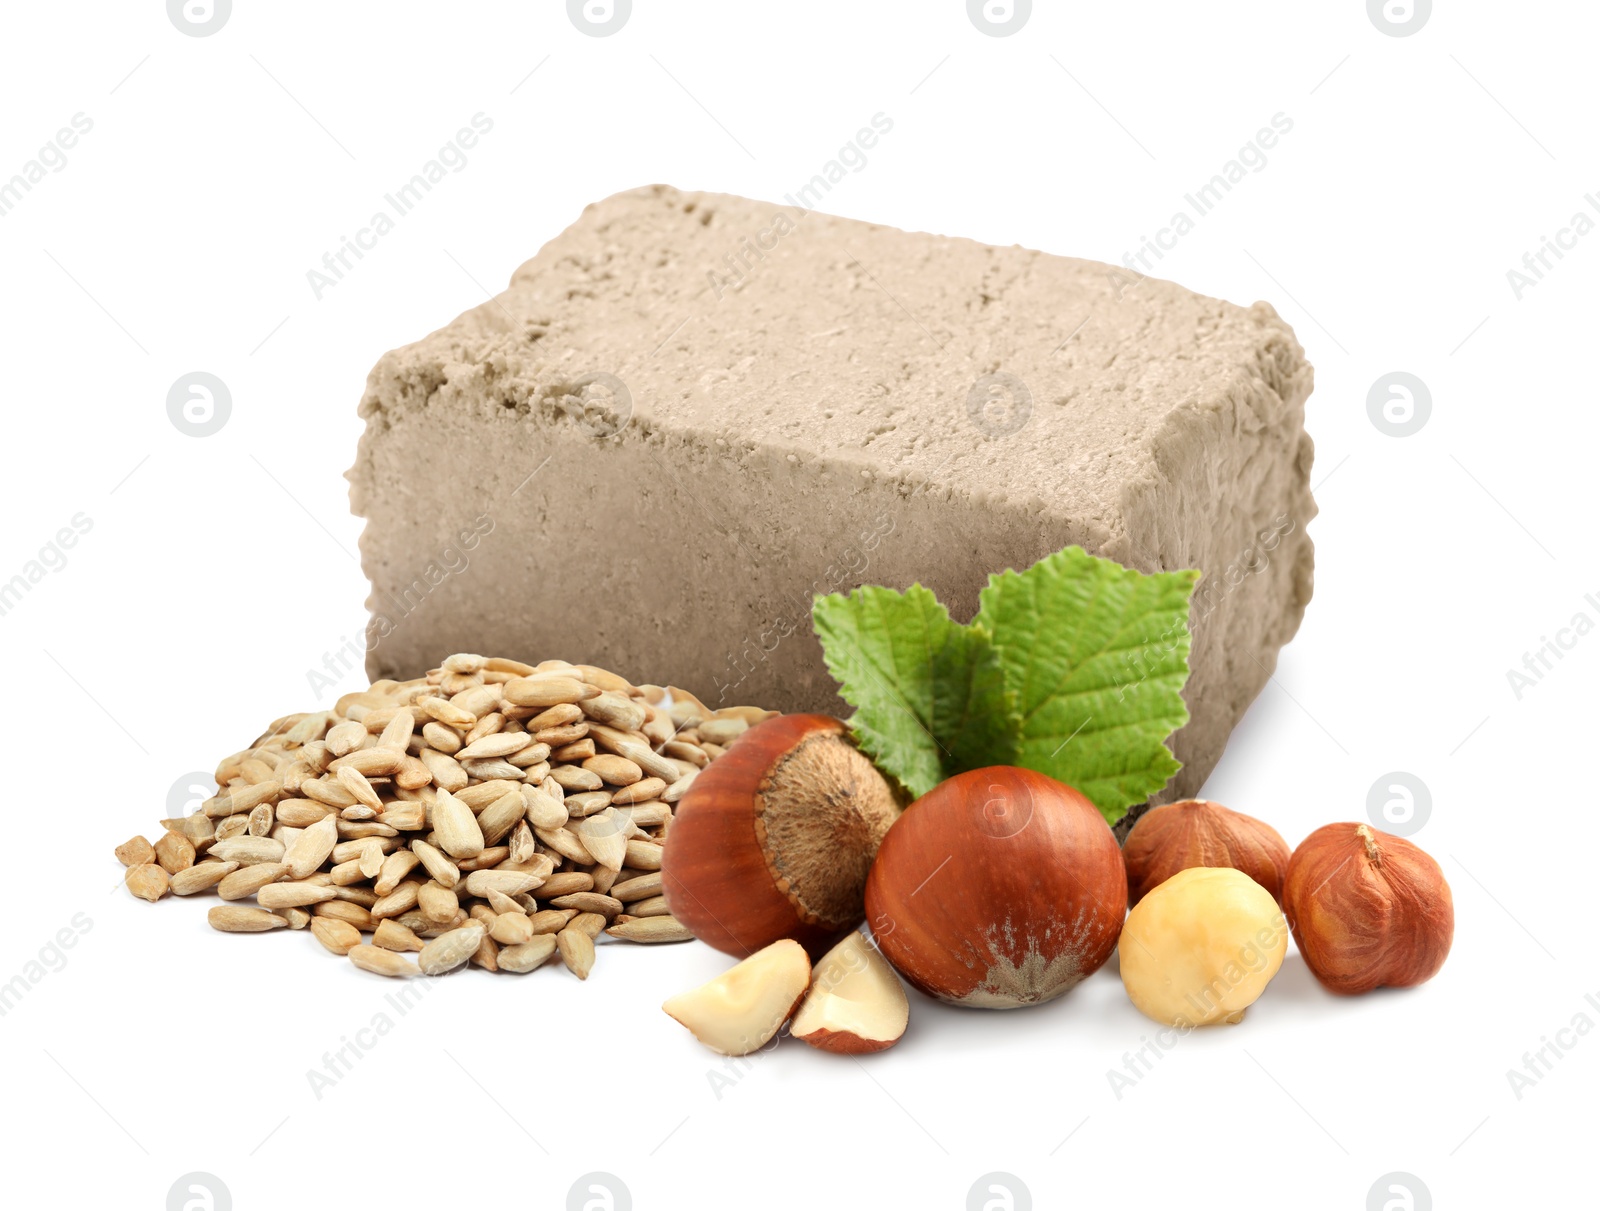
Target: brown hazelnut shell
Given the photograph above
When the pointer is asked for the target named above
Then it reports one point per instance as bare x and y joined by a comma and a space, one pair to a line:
1367, 909
1198, 832
999, 888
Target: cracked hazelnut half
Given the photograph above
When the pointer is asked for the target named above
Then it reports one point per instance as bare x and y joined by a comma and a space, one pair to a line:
1368, 909
743, 1008
855, 1004
1198, 832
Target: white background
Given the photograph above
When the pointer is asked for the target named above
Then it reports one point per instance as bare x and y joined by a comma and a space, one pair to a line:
219, 570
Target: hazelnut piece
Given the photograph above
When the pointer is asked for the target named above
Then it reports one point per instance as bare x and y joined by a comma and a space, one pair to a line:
1198, 832
740, 1010
1368, 909
855, 1004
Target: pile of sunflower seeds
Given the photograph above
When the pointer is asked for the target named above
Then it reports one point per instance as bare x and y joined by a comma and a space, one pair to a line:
493, 812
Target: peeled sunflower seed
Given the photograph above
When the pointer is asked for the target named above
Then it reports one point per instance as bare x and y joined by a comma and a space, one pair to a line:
589, 901
497, 820
651, 929
526, 956
605, 837
547, 691
201, 877
338, 936
311, 848
491, 857
391, 935
394, 868
638, 888
455, 827
644, 855
551, 920
345, 737
655, 906
565, 883
500, 744
397, 732
511, 928
249, 851
591, 923
577, 951
642, 791
245, 881
444, 872
233, 918
450, 950
510, 883
342, 910
501, 903
174, 852
147, 881
382, 962
292, 895
402, 899
487, 956
566, 843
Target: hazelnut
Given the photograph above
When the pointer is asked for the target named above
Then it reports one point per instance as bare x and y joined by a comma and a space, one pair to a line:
855, 1003
998, 888
740, 1010
1197, 832
774, 838
1368, 909
1201, 947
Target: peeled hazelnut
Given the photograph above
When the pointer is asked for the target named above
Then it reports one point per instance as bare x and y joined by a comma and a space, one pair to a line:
1368, 909
1197, 832
774, 838
1202, 947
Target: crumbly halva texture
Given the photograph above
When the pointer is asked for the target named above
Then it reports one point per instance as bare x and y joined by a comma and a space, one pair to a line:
691, 412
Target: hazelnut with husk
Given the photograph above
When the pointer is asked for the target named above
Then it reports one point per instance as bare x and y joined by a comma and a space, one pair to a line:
774, 839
